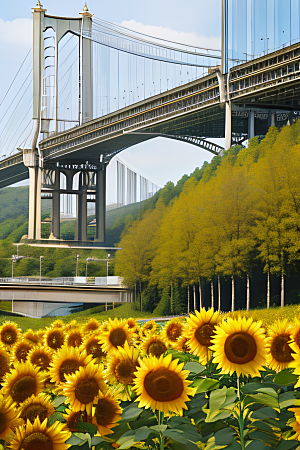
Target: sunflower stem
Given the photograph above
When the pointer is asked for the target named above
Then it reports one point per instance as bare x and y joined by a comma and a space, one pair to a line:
160, 420
241, 415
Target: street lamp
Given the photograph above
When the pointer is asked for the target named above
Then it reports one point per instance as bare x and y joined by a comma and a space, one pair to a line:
108, 256
77, 265
41, 267
86, 264
14, 258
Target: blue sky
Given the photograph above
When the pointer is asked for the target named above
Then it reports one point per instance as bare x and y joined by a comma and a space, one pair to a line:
196, 22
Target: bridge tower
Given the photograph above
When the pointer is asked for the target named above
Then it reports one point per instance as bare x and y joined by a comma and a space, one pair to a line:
33, 157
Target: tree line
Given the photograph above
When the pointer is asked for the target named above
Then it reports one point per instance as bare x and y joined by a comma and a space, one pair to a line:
232, 229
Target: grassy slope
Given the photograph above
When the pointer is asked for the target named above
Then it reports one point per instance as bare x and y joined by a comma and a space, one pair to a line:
267, 316
121, 312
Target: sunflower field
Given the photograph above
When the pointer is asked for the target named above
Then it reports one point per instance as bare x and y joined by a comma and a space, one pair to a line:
205, 381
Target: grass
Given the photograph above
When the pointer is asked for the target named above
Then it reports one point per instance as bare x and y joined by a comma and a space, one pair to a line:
124, 311
268, 316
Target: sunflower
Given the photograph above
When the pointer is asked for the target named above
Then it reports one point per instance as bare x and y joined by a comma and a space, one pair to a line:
91, 326
106, 413
36, 406
40, 357
279, 351
122, 365
20, 350
148, 327
239, 345
65, 362
93, 347
155, 346
295, 424
74, 338
32, 337
37, 436
182, 344
54, 338
4, 362
22, 382
9, 417
132, 323
201, 328
116, 335
72, 418
9, 334
58, 323
83, 386
173, 330
161, 384
295, 333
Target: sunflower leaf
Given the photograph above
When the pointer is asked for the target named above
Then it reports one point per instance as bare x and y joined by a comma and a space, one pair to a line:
55, 417
194, 367
285, 377
59, 400
205, 384
224, 436
159, 428
131, 412
263, 399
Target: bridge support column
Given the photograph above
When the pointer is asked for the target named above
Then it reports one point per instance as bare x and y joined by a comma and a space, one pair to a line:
56, 206
32, 202
227, 125
100, 204
81, 225
251, 131
38, 208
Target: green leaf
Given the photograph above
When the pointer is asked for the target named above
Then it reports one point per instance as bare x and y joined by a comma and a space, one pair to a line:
59, 400
287, 445
224, 437
250, 388
142, 434
88, 427
96, 440
269, 391
84, 437
75, 440
159, 428
286, 399
264, 399
217, 399
257, 445
194, 367
126, 442
131, 412
265, 413
55, 417
176, 435
285, 377
205, 384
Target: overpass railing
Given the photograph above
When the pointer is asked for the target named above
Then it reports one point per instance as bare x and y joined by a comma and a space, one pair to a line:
65, 281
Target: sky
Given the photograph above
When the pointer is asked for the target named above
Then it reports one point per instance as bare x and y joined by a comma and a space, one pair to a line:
195, 22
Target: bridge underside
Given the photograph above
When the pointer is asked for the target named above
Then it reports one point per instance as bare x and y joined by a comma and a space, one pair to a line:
13, 174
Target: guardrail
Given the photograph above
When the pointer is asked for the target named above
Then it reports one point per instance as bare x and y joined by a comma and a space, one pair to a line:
65, 281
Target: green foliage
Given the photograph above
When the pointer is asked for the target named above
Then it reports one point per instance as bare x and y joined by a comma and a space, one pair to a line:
163, 307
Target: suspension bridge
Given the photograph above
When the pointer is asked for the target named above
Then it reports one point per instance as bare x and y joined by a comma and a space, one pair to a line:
91, 89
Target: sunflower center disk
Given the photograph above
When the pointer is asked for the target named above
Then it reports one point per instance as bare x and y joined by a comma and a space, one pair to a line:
117, 337
240, 348
124, 371
163, 385
33, 411
42, 360
297, 339
75, 340
95, 349
105, 412
55, 339
23, 388
156, 348
204, 334
86, 391
37, 441
67, 367
22, 352
9, 337
280, 349
3, 422
173, 332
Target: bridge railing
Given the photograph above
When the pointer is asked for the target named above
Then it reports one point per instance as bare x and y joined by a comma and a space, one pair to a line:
65, 281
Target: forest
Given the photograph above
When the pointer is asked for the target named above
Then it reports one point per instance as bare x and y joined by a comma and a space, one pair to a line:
231, 239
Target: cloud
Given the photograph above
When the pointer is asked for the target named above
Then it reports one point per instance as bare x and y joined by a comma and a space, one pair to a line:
189, 38
18, 31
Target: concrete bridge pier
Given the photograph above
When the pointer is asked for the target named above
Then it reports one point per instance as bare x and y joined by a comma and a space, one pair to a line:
100, 203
